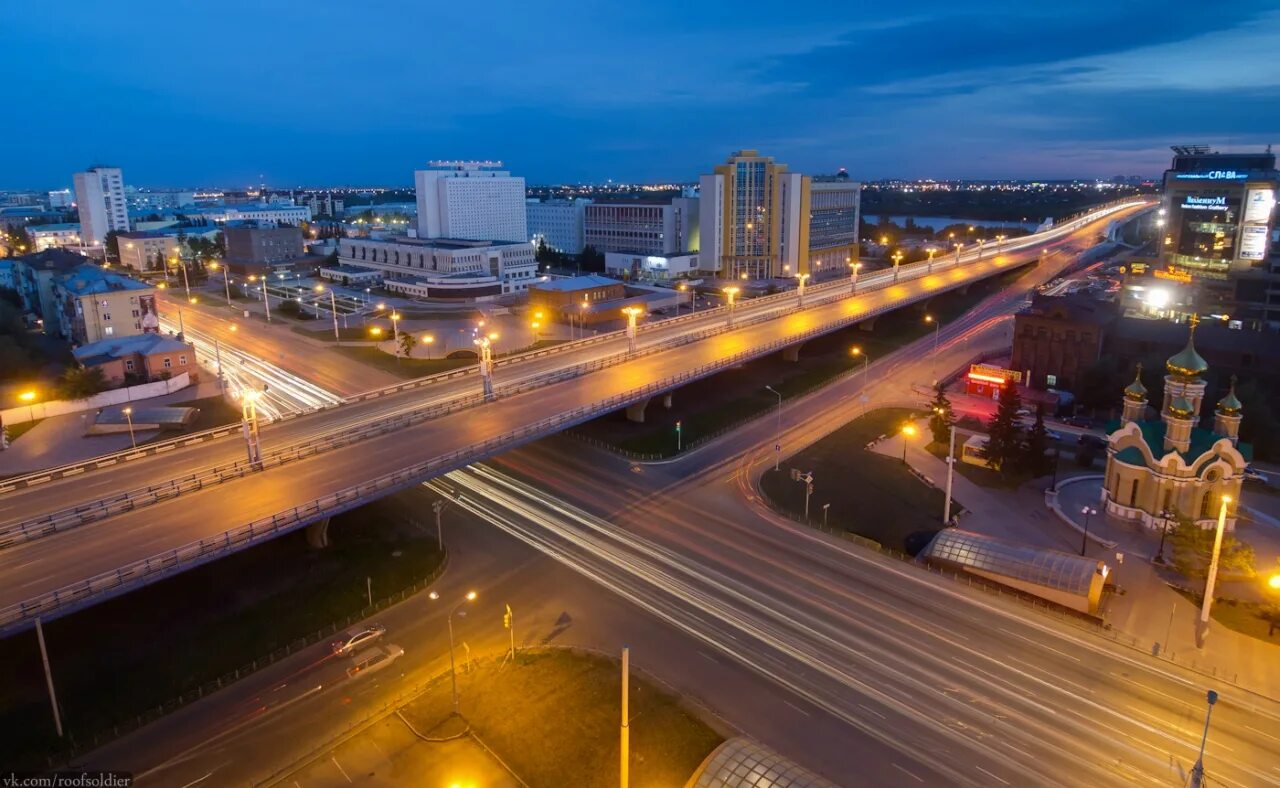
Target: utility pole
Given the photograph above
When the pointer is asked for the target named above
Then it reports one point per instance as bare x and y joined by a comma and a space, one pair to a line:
1212, 580
625, 763
438, 508
509, 622
1197, 771
951, 469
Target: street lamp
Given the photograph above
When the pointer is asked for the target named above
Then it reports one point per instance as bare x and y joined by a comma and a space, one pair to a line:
395, 333
908, 431
226, 282
333, 309
428, 340
249, 424
897, 259
1087, 511
632, 312
128, 414
932, 251
730, 292
1197, 771
453, 670
1212, 579
856, 351
959, 246
853, 276
800, 280
777, 445
29, 397
485, 343
693, 298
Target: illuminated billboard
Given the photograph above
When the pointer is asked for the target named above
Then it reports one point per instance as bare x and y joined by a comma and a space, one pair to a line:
1258, 205
1253, 242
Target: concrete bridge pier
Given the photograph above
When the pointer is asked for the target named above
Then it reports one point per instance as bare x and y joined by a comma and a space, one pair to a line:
791, 353
318, 534
868, 325
635, 412
667, 401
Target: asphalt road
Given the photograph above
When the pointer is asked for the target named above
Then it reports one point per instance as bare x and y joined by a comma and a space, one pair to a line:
58, 561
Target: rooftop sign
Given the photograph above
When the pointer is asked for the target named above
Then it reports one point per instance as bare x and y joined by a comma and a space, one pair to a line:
1212, 175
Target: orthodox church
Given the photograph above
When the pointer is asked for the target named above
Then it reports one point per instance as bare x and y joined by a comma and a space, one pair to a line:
1159, 471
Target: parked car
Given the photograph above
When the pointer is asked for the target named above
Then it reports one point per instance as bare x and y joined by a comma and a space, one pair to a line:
1053, 435
357, 638
1251, 475
1077, 421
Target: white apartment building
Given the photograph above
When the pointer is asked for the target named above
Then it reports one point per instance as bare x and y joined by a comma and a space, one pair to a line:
158, 199
101, 202
470, 199
650, 227
445, 267
559, 223
272, 214
61, 198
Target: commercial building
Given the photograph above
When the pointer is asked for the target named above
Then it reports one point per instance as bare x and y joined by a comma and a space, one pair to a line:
754, 219
323, 204
263, 214
643, 226
49, 236
1163, 471
253, 249
582, 300
1056, 339
985, 380
61, 199
1219, 217
835, 212
635, 266
557, 223
101, 202
443, 267
158, 199
470, 200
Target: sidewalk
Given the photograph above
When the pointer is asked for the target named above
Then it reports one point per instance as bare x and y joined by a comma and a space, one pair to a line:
1145, 610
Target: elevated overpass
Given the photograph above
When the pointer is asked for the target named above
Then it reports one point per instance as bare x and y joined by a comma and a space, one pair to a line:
73, 540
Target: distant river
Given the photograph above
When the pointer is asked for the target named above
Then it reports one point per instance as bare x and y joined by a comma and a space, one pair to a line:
936, 223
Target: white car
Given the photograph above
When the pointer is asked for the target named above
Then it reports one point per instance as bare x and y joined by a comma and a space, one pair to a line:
356, 638
374, 659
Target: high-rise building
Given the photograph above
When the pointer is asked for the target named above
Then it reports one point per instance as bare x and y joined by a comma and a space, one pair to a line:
754, 219
558, 223
473, 200
1219, 216
835, 208
649, 227
100, 200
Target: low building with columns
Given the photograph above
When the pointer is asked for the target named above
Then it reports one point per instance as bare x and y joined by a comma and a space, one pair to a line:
1169, 469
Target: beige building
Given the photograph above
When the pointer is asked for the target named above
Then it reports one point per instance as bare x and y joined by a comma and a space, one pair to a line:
1166, 470
93, 303
754, 219
140, 251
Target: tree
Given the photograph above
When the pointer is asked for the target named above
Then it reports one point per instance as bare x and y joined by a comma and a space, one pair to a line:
407, 341
160, 263
20, 240
542, 254
1193, 549
1035, 452
1004, 436
590, 259
112, 242
81, 382
941, 418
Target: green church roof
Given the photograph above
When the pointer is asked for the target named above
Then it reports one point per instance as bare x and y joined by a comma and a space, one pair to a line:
1187, 363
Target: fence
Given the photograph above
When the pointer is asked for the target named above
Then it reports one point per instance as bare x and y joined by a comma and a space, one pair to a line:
137, 721
44, 410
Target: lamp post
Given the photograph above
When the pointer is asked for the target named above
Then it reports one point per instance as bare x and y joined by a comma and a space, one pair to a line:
693, 301
999, 243
226, 281
333, 309
1165, 517
981, 241
937, 336
632, 312
866, 363
853, 276
453, 670
959, 246
395, 333
951, 469
1197, 771
908, 430
679, 437
897, 259
128, 414
186, 283
249, 424
800, 280
1212, 579
777, 444
1087, 511
485, 343
29, 397
932, 251
730, 292
428, 340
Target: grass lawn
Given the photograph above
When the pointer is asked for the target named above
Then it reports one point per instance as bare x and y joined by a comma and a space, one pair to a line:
419, 367
15, 431
709, 406
870, 494
130, 654
324, 333
1247, 618
983, 477
553, 718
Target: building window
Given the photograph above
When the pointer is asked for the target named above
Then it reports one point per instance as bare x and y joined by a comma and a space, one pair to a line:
182, 360
108, 330
128, 365
1133, 493
167, 362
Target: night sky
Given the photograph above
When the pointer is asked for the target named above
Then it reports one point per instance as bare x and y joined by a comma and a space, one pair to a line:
326, 93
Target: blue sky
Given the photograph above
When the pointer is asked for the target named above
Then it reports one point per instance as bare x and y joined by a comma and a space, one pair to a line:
319, 92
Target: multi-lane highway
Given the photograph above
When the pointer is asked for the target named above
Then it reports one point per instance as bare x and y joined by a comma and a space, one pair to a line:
57, 562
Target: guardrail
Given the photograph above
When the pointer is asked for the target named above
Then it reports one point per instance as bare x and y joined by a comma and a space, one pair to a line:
62, 520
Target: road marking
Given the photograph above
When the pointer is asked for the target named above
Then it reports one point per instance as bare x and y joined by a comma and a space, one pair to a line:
872, 711
909, 774
992, 776
198, 780
1264, 733
344, 771
797, 708
1040, 644
708, 656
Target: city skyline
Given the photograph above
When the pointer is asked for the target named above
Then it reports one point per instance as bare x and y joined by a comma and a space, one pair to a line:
645, 94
